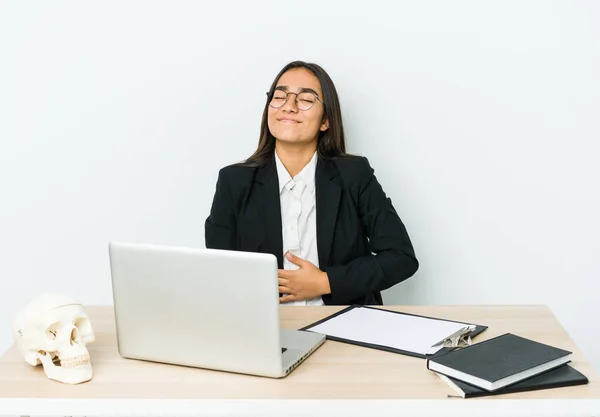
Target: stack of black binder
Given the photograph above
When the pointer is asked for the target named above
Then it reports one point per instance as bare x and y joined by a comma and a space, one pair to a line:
505, 364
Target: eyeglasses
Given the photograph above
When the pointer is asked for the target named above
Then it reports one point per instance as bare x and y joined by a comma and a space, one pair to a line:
304, 101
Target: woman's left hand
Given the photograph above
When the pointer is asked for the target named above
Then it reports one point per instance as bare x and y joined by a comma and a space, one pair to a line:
303, 283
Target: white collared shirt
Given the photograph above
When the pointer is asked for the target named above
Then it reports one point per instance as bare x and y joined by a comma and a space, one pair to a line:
299, 217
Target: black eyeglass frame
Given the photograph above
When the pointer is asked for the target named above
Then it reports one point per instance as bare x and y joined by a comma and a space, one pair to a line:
287, 96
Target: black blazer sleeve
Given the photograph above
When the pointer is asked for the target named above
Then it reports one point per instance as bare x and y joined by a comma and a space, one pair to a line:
392, 257
219, 227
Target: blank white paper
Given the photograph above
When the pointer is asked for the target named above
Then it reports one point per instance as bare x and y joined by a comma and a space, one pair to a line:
380, 327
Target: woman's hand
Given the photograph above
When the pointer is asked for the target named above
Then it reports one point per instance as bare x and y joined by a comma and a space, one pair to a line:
303, 283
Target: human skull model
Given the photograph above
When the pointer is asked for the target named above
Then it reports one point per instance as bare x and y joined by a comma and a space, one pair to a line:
53, 329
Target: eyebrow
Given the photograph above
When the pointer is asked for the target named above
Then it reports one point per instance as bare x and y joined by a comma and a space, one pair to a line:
302, 89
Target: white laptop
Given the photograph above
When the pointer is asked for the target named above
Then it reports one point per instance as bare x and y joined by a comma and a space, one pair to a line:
204, 308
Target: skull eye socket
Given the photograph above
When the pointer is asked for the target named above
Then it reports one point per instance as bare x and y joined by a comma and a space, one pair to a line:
52, 331
74, 339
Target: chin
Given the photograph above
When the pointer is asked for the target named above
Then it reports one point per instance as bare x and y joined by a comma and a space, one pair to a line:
292, 140
288, 138
288, 135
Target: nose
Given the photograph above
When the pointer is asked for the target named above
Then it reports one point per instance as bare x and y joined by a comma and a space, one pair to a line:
290, 103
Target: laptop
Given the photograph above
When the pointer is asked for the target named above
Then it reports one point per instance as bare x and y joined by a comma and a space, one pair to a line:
204, 308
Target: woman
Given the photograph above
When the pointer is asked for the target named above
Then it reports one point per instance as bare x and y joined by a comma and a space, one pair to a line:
320, 211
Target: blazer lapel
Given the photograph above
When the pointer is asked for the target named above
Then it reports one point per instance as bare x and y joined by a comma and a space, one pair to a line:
267, 194
328, 194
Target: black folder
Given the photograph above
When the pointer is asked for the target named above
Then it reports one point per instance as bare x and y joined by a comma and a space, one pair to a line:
478, 330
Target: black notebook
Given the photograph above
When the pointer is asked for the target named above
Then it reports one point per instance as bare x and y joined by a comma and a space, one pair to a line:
499, 362
563, 376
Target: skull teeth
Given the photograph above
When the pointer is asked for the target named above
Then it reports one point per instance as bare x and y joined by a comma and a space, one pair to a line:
75, 361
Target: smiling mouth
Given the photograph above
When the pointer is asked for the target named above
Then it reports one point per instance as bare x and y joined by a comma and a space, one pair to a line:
288, 121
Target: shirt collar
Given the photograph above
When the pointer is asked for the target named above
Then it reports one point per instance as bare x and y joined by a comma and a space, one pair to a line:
307, 174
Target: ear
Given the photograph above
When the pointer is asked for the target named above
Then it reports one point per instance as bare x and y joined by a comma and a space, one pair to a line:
324, 125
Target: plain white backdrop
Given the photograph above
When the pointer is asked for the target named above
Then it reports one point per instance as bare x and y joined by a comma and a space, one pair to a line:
480, 119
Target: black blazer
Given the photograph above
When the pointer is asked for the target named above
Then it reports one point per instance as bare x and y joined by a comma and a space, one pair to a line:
362, 243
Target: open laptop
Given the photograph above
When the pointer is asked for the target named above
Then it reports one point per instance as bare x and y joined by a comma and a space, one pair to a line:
204, 308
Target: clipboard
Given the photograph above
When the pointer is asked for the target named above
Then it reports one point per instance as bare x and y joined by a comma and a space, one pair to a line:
477, 330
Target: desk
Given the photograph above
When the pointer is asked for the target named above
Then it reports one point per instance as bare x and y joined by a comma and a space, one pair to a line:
338, 379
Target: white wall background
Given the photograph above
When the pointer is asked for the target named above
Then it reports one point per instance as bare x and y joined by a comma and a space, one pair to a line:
480, 118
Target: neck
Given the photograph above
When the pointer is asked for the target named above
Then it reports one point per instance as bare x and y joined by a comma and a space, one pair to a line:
294, 158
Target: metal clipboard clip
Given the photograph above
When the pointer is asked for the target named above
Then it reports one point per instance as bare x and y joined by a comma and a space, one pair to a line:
460, 338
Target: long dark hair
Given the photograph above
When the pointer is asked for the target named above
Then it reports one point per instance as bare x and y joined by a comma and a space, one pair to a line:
331, 143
